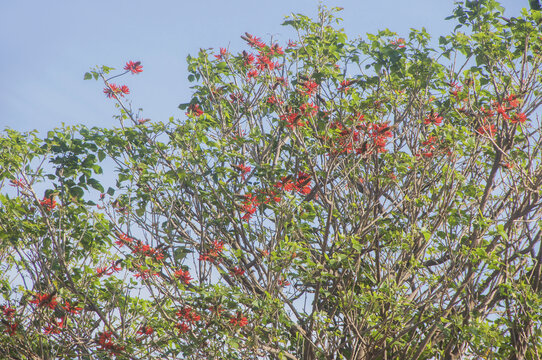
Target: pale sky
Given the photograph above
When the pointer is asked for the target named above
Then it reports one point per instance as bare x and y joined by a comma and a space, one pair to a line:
47, 46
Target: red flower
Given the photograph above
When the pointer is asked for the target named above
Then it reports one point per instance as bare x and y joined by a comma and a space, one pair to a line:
502, 110
48, 300
237, 271
124, 239
194, 110
188, 314
113, 90
134, 67
489, 130
253, 41
54, 327
308, 109
264, 63
247, 58
293, 119
101, 271
18, 183
252, 73
433, 118
242, 169
239, 320
222, 54
11, 328
291, 44
345, 85
214, 252
183, 275
276, 49
145, 330
70, 308
308, 88
183, 327
8, 311
250, 205
104, 339
519, 117
400, 43
48, 203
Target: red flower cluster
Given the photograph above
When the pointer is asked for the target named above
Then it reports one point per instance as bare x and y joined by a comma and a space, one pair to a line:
302, 184
247, 58
488, 129
48, 300
242, 169
113, 90
134, 67
144, 273
380, 134
105, 342
252, 74
250, 205
214, 252
263, 63
48, 203
308, 109
145, 330
54, 326
518, 118
147, 250
222, 54
183, 276
455, 88
18, 183
239, 320
253, 41
293, 119
275, 49
308, 88
183, 327
237, 271
345, 85
400, 43
109, 270
9, 313
74, 310
433, 118
123, 240
187, 314
194, 110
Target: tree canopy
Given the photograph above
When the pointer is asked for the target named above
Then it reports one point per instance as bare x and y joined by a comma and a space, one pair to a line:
328, 198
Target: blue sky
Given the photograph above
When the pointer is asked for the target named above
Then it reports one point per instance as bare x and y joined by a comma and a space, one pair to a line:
47, 46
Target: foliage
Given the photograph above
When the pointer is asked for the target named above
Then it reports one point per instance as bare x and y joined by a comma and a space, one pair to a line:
330, 199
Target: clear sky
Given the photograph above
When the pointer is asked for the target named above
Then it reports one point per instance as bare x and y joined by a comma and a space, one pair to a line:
47, 46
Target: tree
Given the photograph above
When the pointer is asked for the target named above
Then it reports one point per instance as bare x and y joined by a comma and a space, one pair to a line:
329, 199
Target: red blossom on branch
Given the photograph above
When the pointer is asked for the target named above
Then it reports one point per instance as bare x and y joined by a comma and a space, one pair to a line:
183, 276
112, 90
308, 88
222, 54
54, 327
433, 118
134, 67
188, 314
253, 41
194, 110
237, 271
42, 300
518, 118
48, 203
239, 320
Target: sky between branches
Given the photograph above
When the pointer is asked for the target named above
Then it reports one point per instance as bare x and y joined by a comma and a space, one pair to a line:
47, 46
